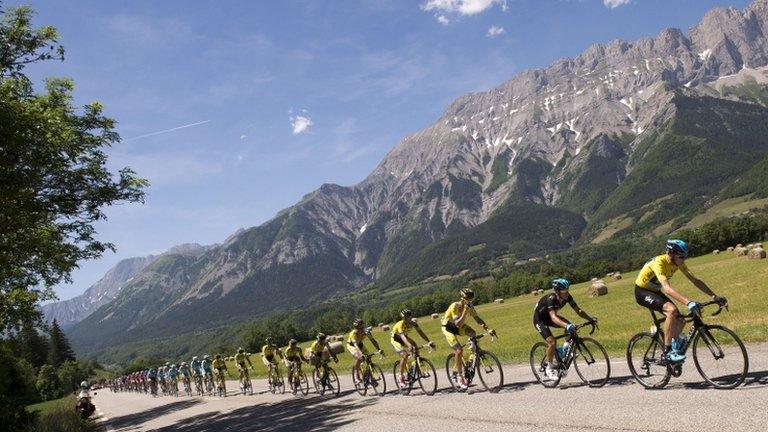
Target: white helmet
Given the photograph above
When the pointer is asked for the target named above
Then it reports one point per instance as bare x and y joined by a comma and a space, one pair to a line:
84, 384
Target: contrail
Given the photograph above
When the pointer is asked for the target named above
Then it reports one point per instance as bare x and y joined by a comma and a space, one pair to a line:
166, 131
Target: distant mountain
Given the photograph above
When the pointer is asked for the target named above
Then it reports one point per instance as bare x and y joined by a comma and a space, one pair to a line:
626, 139
70, 312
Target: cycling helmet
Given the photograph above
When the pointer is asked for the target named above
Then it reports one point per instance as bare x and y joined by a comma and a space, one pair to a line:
206, 357
84, 384
173, 366
218, 356
321, 337
167, 363
467, 293
561, 284
677, 247
240, 350
194, 358
357, 323
292, 342
183, 363
268, 340
406, 313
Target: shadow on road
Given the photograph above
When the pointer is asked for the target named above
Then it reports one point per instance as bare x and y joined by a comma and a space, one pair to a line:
133, 420
304, 414
753, 380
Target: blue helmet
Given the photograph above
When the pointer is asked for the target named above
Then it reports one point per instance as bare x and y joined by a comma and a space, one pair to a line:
677, 247
561, 284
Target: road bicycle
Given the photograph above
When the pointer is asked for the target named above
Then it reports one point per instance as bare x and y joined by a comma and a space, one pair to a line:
187, 385
372, 376
299, 382
325, 379
153, 387
481, 363
419, 370
246, 386
221, 383
199, 389
587, 355
275, 379
718, 353
208, 383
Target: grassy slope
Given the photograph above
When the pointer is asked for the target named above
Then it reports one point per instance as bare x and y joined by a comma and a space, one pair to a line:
620, 317
51, 405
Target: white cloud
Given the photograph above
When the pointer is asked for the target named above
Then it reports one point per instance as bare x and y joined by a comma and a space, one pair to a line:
442, 19
462, 7
495, 31
613, 4
300, 124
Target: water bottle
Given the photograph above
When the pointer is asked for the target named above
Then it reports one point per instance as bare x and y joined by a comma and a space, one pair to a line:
682, 341
566, 347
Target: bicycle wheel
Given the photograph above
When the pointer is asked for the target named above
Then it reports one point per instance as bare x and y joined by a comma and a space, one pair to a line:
403, 388
332, 381
377, 383
591, 362
426, 376
720, 357
316, 382
489, 371
538, 361
272, 381
452, 374
279, 382
645, 353
361, 386
303, 383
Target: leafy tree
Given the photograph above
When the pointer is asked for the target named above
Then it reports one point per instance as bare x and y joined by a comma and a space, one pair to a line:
48, 383
33, 347
59, 350
71, 373
54, 182
17, 389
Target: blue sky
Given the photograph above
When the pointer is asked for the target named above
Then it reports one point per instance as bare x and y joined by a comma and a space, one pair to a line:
280, 97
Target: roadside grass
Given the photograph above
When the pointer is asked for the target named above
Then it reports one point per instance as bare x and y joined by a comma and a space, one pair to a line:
48, 406
740, 279
59, 415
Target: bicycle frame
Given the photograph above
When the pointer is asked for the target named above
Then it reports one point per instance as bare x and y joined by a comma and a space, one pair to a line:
576, 343
697, 324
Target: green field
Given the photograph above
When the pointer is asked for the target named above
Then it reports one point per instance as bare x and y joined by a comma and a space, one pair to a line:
51, 405
738, 278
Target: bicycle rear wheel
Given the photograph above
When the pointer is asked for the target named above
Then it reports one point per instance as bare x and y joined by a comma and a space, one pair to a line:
427, 376
332, 382
403, 388
645, 353
720, 357
361, 386
279, 382
449, 370
538, 361
316, 381
591, 362
303, 383
489, 370
377, 383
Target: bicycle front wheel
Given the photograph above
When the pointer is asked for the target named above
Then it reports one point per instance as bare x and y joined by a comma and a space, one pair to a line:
453, 376
332, 382
427, 376
303, 384
720, 357
539, 362
403, 388
279, 382
591, 362
360, 385
645, 354
489, 371
377, 383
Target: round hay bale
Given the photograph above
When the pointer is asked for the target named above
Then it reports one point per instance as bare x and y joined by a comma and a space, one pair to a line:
756, 253
435, 315
617, 275
609, 275
716, 251
541, 291
385, 327
381, 324
594, 279
758, 245
750, 246
597, 289
740, 251
739, 245
499, 301
336, 347
730, 249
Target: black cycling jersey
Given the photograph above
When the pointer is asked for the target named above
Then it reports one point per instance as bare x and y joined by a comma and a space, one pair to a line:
552, 302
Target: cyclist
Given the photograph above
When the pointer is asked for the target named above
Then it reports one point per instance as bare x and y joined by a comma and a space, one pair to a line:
652, 290
240, 359
219, 366
206, 370
402, 343
194, 365
545, 316
318, 350
172, 374
152, 377
356, 347
161, 378
454, 324
293, 355
268, 353
186, 374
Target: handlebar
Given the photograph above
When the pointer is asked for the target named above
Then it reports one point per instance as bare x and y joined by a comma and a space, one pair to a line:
705, 304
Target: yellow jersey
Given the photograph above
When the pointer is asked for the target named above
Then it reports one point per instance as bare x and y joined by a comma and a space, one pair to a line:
356, 337
403, 327
455, 310
269, 350
317, 347
657, 270
218, 364
293, 353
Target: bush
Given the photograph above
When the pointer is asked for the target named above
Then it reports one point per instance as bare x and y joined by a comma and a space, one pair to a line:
48, 383
16, 390
71, 373
63, 418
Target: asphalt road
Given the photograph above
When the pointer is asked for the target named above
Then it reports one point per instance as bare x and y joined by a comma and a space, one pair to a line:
687, 404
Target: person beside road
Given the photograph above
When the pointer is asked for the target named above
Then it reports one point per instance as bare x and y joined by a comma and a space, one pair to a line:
454, 325
356, 347
402, 343
653, 291
545, 316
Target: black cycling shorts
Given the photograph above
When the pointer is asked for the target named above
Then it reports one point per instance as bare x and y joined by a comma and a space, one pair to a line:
269, 357
452, 328
542, 326
653, 300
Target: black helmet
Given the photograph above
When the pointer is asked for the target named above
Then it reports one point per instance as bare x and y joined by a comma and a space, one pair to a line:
321, 337
268, 339
467, 293
357, 323
240, 350
292, 342
406, 313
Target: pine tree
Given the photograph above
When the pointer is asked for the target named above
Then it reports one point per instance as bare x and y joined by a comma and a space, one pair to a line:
59, 350
33, 347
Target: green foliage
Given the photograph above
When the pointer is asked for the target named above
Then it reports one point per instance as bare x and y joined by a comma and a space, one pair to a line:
59, 350
750, 91
17, 389
48, 383
54, 179
31, 345
71, 373
63, 418
754, 182
499, 171
722, 233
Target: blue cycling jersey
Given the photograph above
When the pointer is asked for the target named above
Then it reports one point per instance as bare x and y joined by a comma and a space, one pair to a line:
195, 366
206, 366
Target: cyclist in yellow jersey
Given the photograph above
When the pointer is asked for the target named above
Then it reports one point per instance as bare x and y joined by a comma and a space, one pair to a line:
652, 288
240, 359
454, 324
318, 350
269, 354
293, 354
356, 347
402, 343
219, 366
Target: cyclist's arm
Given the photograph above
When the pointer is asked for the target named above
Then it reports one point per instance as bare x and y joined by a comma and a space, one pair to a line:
480, 321
374, 342
698, 282
422, 334
406, 340
581, 312
556, 319
668, 290
328, 347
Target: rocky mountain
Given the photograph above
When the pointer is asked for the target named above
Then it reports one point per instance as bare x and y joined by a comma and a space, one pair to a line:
70, 312
625, 139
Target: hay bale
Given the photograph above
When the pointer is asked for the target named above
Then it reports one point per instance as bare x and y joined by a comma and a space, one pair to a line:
336, 347
716, 251
499, 301
750, 246
739, 245
617, 275
385, 327
594, 279
435, 316
756, 253
597, 289
730, 249
609, 275
541, 291
740, 251
381, 324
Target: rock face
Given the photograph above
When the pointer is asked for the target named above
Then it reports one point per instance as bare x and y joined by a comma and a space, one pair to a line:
550, 158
